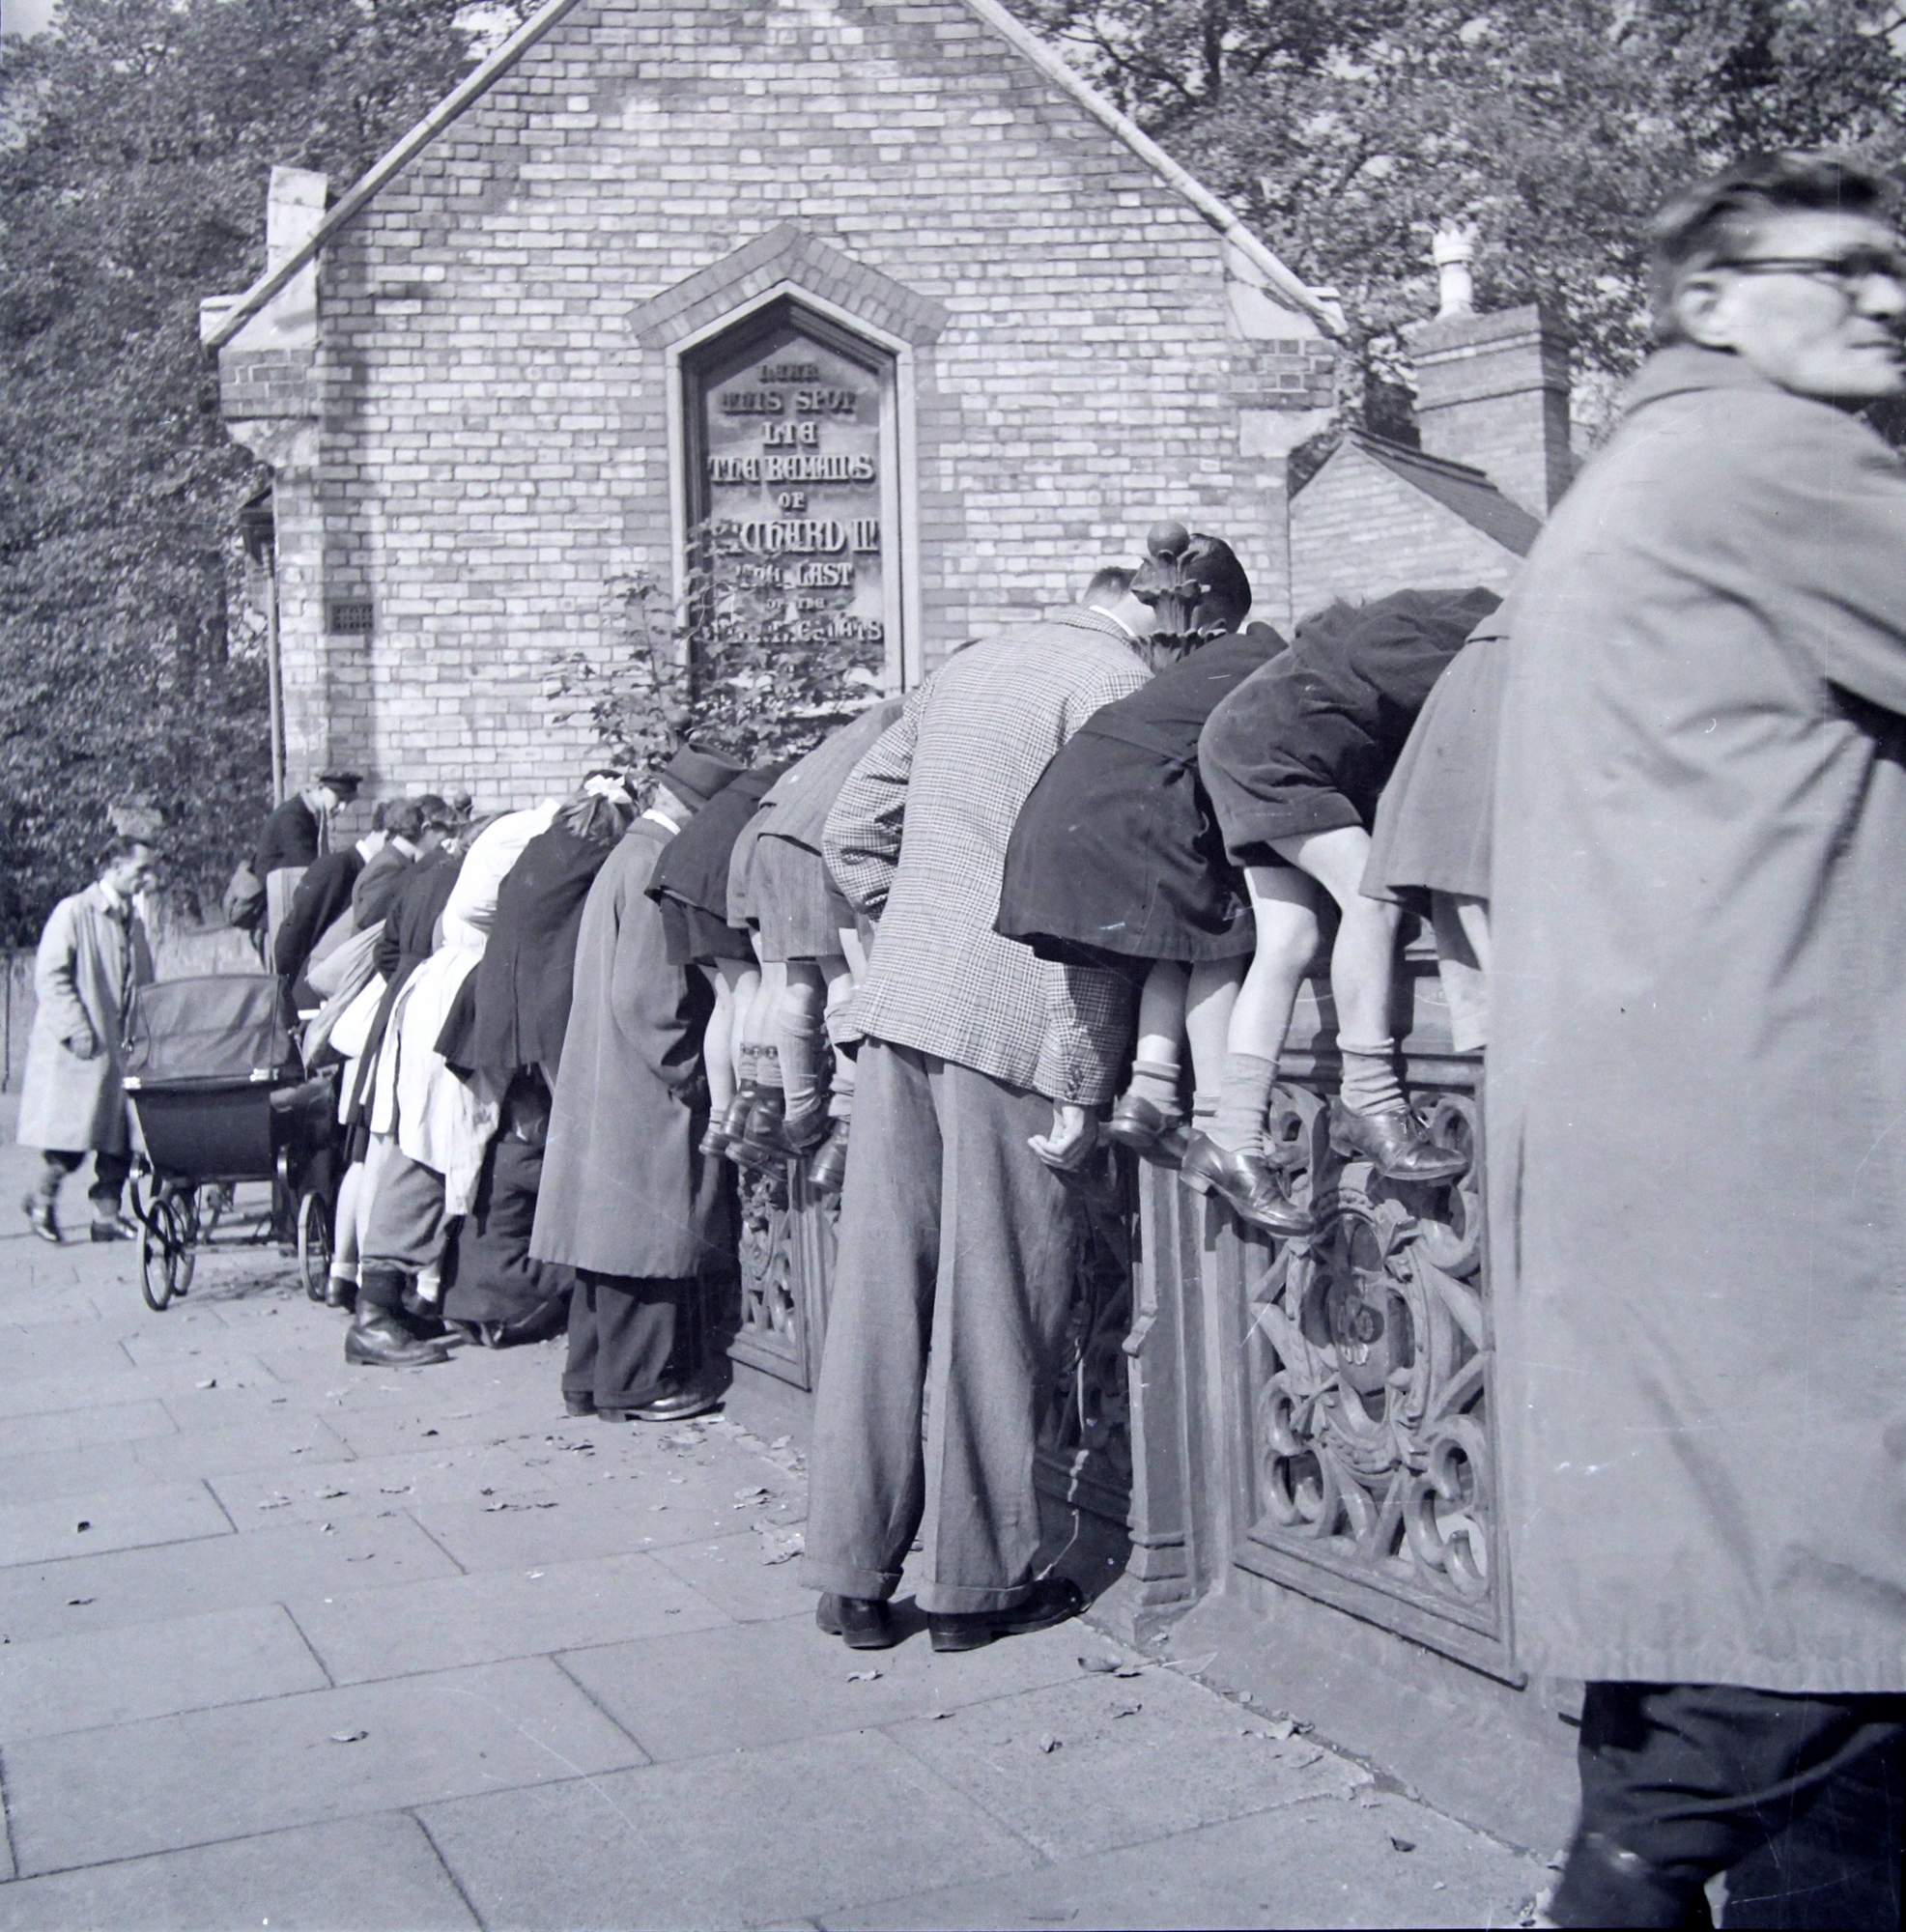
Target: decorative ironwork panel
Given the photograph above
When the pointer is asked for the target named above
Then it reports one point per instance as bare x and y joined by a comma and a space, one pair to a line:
1369, 1473
771, 1330
1084, 1456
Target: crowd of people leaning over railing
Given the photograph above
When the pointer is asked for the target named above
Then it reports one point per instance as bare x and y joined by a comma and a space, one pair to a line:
1065, 892
1089, 861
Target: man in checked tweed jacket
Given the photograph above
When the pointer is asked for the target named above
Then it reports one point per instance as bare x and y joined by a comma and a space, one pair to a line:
978, 1069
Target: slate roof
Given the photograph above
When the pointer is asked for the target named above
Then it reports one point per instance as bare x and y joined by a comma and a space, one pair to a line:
1457, 487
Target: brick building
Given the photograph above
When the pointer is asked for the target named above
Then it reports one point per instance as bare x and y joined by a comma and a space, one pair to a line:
878, 285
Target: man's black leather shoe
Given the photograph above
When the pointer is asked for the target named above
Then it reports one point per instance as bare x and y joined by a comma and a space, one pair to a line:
114, 1227
41, 1218
861, 1623
379, 1339
677, 1405
340, 1292
1055, 1600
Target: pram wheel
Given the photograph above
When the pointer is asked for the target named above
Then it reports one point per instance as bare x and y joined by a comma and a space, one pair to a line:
314, 1242
166, 1253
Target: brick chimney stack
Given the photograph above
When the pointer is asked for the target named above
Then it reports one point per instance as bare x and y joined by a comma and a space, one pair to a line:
1493, 390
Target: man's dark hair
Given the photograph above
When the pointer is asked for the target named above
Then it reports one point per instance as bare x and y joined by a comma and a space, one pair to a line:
436, 811
117, 850
1714, 220
405, 819
1109, 582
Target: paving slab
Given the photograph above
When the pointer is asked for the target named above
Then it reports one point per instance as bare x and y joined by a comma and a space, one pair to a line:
370, 1875
1326, 1862
499, 1613
261, 1499
150, 1670
803, 1826
1073, 1774
736, 1572
89, 1797
781, 1681
528, 1523
62, 1393
84, 1428
94, 1520
133, 1586
63, 1349
285, 1442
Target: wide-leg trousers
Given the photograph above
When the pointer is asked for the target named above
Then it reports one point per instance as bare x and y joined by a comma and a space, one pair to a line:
953, 1286
632, 1338
1683, 1781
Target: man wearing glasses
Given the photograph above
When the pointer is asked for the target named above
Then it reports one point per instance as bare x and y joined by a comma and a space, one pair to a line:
1697, 1058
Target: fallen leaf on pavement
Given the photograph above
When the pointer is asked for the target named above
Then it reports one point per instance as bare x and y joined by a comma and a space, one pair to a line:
332, 1495
1049, 1744
1104, 1665
74, 1603
1126, 1710
82, 1525
349, 1737
862, 1676
210, 1382
1402, 1844
490, 1509
1281, 1728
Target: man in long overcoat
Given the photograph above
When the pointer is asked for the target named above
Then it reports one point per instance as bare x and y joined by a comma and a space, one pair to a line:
93, 955
627, 1200
1697, 1058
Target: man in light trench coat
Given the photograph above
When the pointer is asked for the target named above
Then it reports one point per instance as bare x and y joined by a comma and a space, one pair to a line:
1697, 1058
92, 956
626, 1200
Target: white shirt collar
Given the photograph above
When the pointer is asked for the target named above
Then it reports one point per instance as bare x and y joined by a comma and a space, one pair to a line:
663, 820
1112, 617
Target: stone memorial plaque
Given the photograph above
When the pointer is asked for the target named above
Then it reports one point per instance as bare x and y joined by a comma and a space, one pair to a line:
791, 493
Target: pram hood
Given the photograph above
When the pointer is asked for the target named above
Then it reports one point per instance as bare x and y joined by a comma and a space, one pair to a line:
221, 1029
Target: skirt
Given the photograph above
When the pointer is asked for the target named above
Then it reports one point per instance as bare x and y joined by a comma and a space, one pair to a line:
1115, 861
1434, 823
798, 914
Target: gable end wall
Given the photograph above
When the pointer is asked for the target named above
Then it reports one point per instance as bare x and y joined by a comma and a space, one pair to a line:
494, 443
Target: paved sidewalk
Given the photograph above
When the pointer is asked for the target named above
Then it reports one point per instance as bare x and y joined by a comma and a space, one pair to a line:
286, 1643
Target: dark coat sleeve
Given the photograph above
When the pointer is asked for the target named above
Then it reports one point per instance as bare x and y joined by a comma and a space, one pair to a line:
323, 894
290, 839
660, 1009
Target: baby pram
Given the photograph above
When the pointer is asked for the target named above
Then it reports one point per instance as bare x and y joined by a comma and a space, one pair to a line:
220, 1096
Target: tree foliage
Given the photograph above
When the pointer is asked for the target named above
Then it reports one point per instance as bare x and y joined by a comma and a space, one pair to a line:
715, 669
138, 143
1349, 130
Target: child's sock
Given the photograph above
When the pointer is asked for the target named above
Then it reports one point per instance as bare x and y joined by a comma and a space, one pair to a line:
801, 1050
840, 1095
1370, 1076
1243, 1100
1204, 1108
1156, 1081
767, 1069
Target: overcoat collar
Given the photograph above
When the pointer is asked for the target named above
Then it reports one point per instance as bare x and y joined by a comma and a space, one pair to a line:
1684, 369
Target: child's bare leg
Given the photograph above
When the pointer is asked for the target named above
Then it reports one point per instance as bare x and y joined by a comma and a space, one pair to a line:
1210, 995
718, 1044
1363, 959
744, 978
1284, 903
1155, 1066
1375, 1117
843, 974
